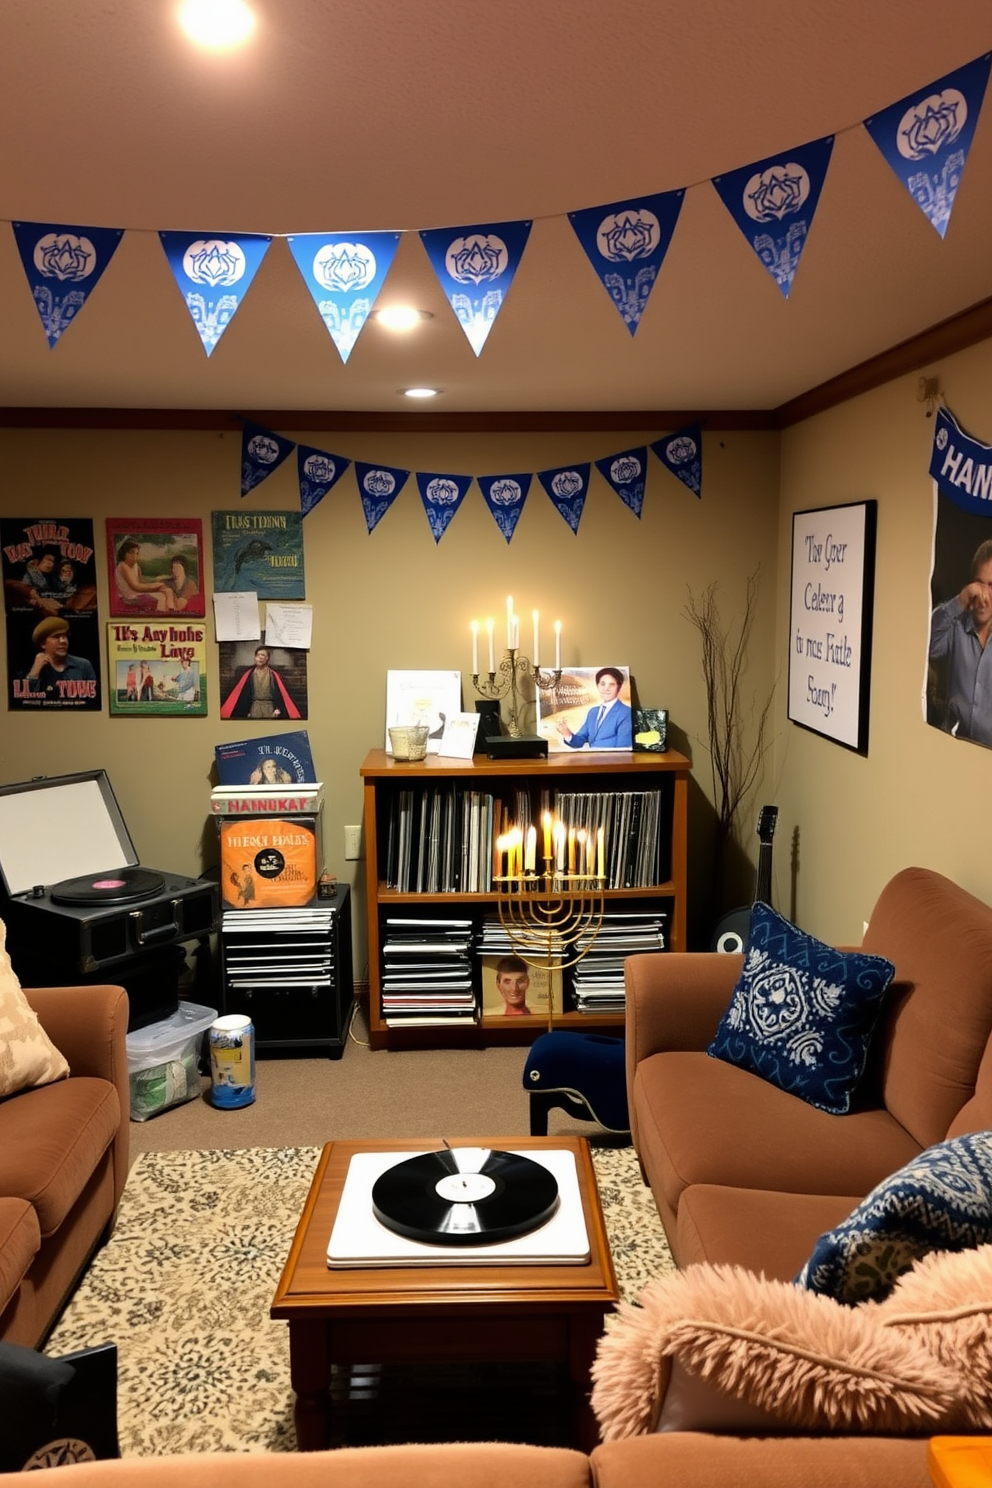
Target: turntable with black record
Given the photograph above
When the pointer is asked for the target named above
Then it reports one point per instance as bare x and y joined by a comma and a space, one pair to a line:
104, 916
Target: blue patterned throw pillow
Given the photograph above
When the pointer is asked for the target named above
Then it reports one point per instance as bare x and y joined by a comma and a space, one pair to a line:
942, 1200
802, 1013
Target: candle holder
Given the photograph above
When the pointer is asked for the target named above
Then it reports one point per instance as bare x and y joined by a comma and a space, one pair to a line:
550, 915
503, 684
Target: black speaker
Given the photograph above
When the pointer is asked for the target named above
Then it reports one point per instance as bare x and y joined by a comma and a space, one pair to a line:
489, 720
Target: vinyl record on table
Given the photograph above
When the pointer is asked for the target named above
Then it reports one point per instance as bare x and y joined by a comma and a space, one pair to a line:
117, 887
429, 1198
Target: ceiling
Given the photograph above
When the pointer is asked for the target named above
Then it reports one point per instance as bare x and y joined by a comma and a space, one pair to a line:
406, 114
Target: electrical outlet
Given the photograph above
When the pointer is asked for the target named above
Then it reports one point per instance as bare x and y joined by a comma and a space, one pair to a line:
352, 843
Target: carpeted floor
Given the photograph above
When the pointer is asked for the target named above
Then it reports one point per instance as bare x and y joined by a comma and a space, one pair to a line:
184, 1286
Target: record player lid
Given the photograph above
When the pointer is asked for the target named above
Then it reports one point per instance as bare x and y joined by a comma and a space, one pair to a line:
59, 827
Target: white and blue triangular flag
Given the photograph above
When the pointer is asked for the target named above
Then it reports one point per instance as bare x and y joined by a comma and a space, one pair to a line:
626, 473
214, 272
344, 273
682, 454
378, 486
926, 137
505, 496
773, 202
63, 266
318, 473
567, 486
626, 243
261, 453
475, 268
442, 495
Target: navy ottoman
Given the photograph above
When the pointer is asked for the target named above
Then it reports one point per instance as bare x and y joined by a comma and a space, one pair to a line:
583, 1073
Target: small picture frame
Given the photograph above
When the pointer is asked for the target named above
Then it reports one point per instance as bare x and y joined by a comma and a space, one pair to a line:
459, 737
650, 730
587, 708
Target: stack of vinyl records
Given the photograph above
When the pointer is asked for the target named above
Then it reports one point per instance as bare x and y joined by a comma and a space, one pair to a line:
427, 972
597, 983
494, 940
278, 948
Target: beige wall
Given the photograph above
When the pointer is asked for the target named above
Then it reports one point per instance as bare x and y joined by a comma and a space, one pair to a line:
394, 599
919, 797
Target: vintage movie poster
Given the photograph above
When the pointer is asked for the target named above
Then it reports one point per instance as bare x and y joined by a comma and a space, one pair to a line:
259, 681
513, 988
260, 551
588, 709
157, 668
155, 566
49, 590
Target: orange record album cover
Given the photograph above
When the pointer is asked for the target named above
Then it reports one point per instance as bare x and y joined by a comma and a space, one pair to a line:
267, 863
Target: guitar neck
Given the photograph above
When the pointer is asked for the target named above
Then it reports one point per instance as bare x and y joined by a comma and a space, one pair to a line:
763, 879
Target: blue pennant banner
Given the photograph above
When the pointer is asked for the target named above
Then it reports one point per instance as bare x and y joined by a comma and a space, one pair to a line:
261, 453
442, 495
475, 268
567, 486
926, 137
318, 473
378, 486
344, 272
682, 454
625, 473
505, 496
626, 244
63, 265
773, 202
214, 273
961, 466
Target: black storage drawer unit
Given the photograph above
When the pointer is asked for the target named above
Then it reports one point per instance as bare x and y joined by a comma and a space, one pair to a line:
290, 971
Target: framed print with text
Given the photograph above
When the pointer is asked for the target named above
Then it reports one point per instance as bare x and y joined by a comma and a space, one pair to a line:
830, 624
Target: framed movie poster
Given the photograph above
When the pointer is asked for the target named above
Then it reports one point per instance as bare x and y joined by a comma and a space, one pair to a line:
830, 626
260, 681
155, 566
157, 668
49, 592
259, 550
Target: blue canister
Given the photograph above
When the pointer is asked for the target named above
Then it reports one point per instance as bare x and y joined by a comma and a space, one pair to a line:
232, 1061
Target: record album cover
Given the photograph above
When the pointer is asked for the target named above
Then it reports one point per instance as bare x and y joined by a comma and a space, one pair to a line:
512, 987
275, 759
155, 566
260, 551
588, 709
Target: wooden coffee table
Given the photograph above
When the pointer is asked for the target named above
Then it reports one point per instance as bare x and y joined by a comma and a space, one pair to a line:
444, 1313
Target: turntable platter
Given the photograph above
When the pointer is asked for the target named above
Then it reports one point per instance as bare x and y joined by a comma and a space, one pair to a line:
121, 886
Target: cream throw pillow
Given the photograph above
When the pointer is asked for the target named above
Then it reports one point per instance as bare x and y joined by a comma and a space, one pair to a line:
27, 1055
809, 1362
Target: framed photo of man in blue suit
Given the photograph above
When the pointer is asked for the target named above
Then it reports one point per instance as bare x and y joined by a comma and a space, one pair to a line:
589, 710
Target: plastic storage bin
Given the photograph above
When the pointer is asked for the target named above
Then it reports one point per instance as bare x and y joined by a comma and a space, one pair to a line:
163, 1060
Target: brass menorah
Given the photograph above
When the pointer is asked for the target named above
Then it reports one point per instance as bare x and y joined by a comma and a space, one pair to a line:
552, 917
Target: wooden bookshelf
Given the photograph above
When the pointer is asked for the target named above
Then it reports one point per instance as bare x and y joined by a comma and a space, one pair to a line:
383, 778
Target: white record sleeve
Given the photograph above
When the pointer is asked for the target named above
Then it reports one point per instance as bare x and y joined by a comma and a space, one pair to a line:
358, 1238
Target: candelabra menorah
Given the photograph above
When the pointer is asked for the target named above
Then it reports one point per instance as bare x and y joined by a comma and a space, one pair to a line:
503, 684
550, 915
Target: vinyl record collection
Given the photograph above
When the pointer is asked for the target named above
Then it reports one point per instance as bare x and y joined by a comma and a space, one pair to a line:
597, 980
427, 971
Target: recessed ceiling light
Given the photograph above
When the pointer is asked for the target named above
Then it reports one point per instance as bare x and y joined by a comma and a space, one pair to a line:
420, 392
217, 24
401, 317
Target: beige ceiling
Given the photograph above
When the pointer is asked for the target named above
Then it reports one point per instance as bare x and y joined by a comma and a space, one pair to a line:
417, 113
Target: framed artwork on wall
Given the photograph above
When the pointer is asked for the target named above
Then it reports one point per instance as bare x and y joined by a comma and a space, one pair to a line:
830, 621
155, 566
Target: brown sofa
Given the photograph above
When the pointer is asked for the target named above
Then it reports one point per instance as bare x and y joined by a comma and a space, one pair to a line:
682, 1458
63, 1158
745, 1174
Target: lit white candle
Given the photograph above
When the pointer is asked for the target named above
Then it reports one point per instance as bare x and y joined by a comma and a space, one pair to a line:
530, 860
537, 638
509, 620
600, 853
557, 645
474, 627
546, 824
571, 849
581, 852
559, 836
492, 655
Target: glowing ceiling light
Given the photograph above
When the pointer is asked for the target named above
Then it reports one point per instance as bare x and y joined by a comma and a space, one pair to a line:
401, 317
217, 24
420, 392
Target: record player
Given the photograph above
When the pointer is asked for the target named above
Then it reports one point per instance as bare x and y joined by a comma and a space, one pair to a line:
105, 909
